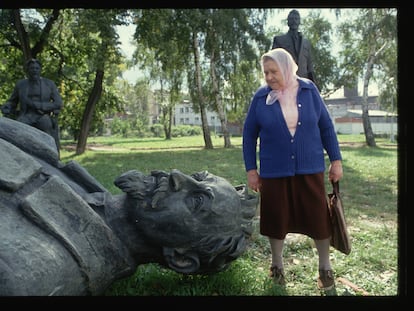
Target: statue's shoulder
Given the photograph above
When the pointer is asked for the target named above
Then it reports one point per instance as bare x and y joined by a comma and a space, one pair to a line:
284, 36
48, 226
49, 83
21, 82
305, 40
281, 40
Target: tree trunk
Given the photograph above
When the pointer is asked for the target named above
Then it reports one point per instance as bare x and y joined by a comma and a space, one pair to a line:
22, 34
369, 134
94, 97
219, 104
208, 144
170, 119
165, 122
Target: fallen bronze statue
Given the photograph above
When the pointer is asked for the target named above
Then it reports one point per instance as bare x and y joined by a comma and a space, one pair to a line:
63, 233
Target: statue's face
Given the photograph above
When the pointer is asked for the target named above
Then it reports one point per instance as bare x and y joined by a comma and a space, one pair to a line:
293, 20
183, 208
33, 70
194, 218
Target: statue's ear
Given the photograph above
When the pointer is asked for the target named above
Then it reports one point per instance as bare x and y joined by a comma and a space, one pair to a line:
181, 260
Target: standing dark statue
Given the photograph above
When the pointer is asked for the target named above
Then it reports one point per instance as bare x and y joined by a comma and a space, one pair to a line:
40, 101
297, 45
63, 233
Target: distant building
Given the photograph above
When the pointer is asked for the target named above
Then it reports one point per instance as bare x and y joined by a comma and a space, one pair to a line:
184, 114
346, 113
382, 122
339, 106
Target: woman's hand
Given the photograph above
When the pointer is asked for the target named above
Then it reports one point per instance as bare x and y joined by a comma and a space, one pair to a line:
335, 172
253, 180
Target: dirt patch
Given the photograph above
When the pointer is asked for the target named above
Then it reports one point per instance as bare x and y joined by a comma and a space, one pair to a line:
352, 144
94, 147
102, 147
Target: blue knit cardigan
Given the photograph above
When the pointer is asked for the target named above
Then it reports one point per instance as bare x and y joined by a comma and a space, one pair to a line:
280, 153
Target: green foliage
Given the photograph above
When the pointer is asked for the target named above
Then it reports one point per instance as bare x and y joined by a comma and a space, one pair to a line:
369, 35
119, 126
186, 130
157, 130
72, 45
369, 189
129, 127
319, 32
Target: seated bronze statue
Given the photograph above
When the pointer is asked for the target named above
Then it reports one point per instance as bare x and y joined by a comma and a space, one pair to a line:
63, 233
35, 101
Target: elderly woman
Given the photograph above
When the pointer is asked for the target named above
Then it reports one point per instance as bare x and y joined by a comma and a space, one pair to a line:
292, 122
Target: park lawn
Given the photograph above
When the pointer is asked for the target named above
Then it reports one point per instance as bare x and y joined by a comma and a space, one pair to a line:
369, 191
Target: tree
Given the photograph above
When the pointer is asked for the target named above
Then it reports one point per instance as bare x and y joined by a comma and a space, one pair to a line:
215, 40
319, 32
105, 40
76, 47
199, 96
25, 34
40, 40
242, 83
162, 49
225, 51
369, 41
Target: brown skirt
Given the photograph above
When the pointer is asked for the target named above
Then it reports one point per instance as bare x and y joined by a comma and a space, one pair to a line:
295, 204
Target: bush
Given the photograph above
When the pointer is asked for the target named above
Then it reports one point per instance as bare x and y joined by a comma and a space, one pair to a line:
157, 130
185, 130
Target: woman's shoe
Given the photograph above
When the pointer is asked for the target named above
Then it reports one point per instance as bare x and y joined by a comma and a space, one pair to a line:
277, 275
326, 280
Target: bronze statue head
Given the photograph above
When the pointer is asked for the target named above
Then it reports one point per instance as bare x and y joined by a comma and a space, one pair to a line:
293, 20
201, 221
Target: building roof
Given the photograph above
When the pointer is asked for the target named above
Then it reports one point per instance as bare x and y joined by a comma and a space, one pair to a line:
371, 113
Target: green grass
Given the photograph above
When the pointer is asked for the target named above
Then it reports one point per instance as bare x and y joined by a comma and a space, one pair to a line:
370, 194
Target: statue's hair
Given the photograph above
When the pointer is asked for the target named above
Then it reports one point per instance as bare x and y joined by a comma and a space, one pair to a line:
32, 61
216, 251
293, 12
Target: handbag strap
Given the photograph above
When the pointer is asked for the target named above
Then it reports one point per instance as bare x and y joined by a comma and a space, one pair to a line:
335, 186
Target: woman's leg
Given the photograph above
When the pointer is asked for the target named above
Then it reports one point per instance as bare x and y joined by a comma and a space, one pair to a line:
276, 246
326, 279
276, 269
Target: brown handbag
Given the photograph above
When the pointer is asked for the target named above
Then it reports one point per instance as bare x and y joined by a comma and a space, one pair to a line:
340, 239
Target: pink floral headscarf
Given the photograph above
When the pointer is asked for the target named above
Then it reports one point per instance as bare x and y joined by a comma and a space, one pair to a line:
288, 69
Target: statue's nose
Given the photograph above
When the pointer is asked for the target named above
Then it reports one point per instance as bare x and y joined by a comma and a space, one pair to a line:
178, 180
